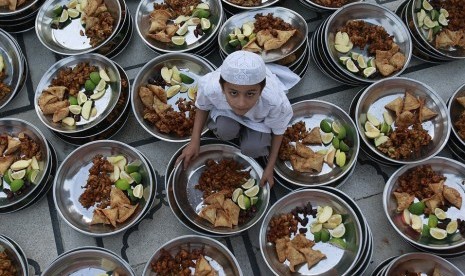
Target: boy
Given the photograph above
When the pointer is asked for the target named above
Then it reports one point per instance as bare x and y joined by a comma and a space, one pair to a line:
244, 100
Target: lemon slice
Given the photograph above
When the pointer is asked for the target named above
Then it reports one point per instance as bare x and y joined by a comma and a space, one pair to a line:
178, 40
192, 92
82, 98
97, 95
237, 192
336, 219
115, 174
339, 231
73, 13
440, 214
438, 233
64, 16
133, 166
33, 176
115, 159
85, 112
205, 25
101, 85
75, 109
373, 120
138, 191
252, 191
21, 164
325, 214
18, 174
243, 202
173, 90
417, 223
182, 30
103, 75
326, 138
316, 227
34, 163
340, 158
126, 176
370, 127
451, 227
166, 74
249, 183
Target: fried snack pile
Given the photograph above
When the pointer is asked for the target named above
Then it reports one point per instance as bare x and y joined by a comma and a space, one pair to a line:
98, 186
158, 112
224, 176
409, 137
12, 4
428, 186
270, 33
298, 251
120, 209
74, 78
220, 211
389, 59
7, 267
182, 263
460, 123
98, 22
332, 3
246, 3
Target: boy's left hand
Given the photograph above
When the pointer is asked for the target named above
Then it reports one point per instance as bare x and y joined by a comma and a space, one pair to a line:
267, 177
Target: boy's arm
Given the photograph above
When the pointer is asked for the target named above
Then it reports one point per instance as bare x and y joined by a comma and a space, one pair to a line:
191, 151
272, 157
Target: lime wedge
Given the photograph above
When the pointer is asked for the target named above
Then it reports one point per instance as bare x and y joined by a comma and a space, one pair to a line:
173, 90
20, 164
192, 92
126, 176
86, 108
316, 227
373, 120
16, 185
338, 242
339, 129
243, 202
438, 233
133, 166
204, 6
138, 191
64, 16
32, 176
73, 13
103, 75
89, 85
336, 219
361, 62
370, 127
95, 77
115, 159
205, 24
75, 109
327, 137
432, 221
325, 235
34, 163
72, 100
325, 214
122, 184
425, 231
101, 85
82, 98
186, 79
350, 65
18, 174
136, 176
57, 10
426, 5
417, 208
340, 158
237, 192
178, 40
451, 227
69, 121
317, 236
381, 140
440, 214
252, 191
97, 95
325, 125
343, 146
417, 223
182, 30
114, 176
253, 200
249, 183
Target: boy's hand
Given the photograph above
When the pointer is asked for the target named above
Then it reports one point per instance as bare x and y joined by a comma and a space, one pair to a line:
267, 177
189, 153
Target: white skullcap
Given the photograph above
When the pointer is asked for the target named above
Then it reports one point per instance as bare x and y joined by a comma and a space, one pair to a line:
243, 68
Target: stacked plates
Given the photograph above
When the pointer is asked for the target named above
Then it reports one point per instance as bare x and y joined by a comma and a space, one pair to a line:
15, 254
48, 165
188, 199
89, 260
68, 40
453, 245
15, 68
219, 257
294, 54
416, 263
321, 8
192, 65
359, 240
312, 112
373, 99
22, 18
169, 188
112, 108
202, 45
422, 48
456, 143
67, 190
327, 58
231, 8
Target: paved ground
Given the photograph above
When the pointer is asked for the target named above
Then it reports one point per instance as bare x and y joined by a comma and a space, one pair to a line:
44, 235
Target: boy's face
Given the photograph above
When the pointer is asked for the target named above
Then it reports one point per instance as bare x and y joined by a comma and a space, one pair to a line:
241, 98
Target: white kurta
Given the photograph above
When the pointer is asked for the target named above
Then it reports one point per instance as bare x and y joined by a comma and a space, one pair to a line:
271, 113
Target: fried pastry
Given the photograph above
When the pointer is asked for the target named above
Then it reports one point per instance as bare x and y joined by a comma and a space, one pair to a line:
294, 256
303, 151
453, 196
410, 102
312, 256
396, 105
403, 200
281, 248
313, 137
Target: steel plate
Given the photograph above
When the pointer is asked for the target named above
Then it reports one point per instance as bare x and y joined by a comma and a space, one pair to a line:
338, 261
312, 112
289, 16
194, 65
421, 263
142, 21
15, 254
373, 14
68, 41
218, 255
454, 172
318, 7
72, 176
455, 109
377, 95
190, 200
263, 4
103, 105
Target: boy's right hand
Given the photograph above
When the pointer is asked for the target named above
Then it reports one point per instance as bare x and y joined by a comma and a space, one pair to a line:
189, 153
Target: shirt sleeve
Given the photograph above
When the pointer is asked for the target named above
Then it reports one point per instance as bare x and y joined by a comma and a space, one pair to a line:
203, 101
279, 117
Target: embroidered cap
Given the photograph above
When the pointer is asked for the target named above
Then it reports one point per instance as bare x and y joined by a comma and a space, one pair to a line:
243, 68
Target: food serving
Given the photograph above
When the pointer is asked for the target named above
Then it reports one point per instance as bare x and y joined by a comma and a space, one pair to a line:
4, 88
442, 23
70, 97
159, 90
230, 195
20, 163
7, 267
12, 5
113, 182
295, 244
379, 52
173, 20
332, 3
423, 199
308, 150
400, 134
460, 123
185, 263
93, 17
266, 33
246, 3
